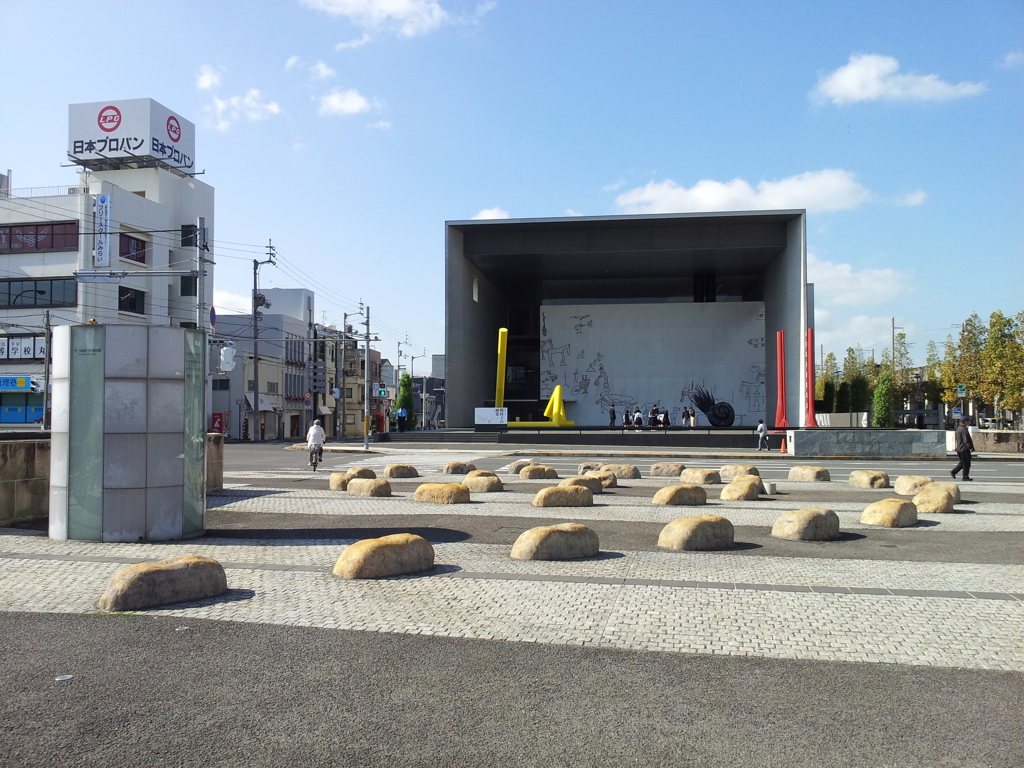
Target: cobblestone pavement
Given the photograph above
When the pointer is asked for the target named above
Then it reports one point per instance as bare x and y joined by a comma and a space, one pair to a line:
966, 615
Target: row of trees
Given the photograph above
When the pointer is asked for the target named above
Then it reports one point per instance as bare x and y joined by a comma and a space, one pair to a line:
987, 359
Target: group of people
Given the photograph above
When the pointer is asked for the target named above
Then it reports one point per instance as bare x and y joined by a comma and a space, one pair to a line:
655, 418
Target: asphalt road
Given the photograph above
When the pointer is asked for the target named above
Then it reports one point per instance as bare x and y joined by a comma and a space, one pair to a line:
228, 694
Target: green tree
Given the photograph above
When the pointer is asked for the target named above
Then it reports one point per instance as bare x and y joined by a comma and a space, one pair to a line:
829, 371
969, 368
1001, 361
860, 394
828, 397
882, 401
406, 399
843, 398
947, 372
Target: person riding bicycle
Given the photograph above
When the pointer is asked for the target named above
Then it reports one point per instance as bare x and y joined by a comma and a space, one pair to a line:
315, 441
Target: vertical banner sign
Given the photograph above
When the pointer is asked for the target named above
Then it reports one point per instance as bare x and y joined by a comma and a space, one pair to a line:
101, 255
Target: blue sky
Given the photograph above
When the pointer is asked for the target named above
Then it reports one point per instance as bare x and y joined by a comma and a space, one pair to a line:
348, 131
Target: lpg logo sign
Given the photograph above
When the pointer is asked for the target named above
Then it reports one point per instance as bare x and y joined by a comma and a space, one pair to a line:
109, 119
173, 129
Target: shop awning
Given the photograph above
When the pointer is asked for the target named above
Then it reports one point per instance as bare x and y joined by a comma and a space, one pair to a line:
265, 404
323, 410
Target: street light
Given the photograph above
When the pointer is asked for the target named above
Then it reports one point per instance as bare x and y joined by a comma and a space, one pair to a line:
37, 291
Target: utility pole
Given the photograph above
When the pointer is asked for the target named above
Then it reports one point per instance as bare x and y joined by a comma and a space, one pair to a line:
201, 246
46, 370
366, 385
257, 302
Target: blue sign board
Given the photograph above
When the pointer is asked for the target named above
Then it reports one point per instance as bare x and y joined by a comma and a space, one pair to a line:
15, 383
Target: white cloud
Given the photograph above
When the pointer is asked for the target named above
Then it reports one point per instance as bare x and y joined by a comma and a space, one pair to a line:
383, 125
870, 77
613, 187
293, 61
408, 17
339, 102
252, 107
827, 190
842, 285
353, 43
491, 213
208, 77
231, 303
1012, 59
571, 212
912, 199
837, 334
321, 71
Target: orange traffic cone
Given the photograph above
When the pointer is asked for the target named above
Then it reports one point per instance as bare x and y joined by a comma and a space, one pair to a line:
782, 449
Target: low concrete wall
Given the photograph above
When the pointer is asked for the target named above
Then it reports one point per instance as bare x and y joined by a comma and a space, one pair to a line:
24, 480
866, 442
841, 420
991, 440
214, 461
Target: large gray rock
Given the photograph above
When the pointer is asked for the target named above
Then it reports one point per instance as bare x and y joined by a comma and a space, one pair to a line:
698, 533
538, 472
586, 466
593, 483
608, 479
666, 469
681, 495
732, 471
564, 496
933, 500
742, 488
566, 541
809, 474
442, 493
362, 486
459, 467
400, 470
516, 466
808, 524
695, 476
392, 555
908, 485
952, 488
165, 582
483, 483
622, 471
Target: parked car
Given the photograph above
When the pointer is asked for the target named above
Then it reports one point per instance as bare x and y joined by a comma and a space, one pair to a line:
984, 423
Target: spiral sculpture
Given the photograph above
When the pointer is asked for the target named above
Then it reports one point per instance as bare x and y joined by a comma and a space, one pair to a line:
719, 414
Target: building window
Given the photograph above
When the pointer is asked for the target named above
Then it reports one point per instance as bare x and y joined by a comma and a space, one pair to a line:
350, 418
272, 388
476, 289
189, 285
18, 238
221, 385
58, 292
131, 300
133, 249
348, 393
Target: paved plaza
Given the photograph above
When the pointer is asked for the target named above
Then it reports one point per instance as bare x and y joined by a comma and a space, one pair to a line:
864, 599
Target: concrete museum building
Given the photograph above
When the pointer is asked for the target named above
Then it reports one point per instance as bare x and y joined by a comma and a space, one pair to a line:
673, 310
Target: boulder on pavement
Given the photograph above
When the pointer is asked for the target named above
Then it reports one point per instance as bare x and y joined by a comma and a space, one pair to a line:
608, 479
808, 524
933, 500
586, 466
483, 483
869, 478
516, 466
952, 488
742, 488
459, 467
622, 471
564, 496
538, 472
481, 473
165, 582
809, 474
593, 483
363, 473
666, 469
400, 470
908, 485
698, 533
362, 486
566, 541
392, 555
442, 493
339, 481
681, 495
695, 476
892, 513
732, 471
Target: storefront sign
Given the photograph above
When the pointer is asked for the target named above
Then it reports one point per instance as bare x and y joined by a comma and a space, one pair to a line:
15, 383
130, 128
101, 249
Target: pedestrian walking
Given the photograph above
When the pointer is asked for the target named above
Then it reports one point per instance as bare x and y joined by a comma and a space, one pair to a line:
762, 435
964, 446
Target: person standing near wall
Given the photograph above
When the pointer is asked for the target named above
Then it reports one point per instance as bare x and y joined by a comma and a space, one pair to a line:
762, 435
964, 446
611, 416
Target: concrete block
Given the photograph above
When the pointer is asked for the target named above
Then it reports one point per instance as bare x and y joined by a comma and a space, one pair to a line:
538, 472
393, 555
175, 580
442, 493
666, 469
681, 495
699, 533
694, 476
564, 496
593, 483
769, 488
622, 471
807, 474
869, 478
368, 486
566, 541
483, 483
608, 479
808, 524
892, 513
908, 485
395, 471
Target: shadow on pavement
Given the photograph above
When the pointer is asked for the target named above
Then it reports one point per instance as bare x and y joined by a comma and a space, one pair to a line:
434, 535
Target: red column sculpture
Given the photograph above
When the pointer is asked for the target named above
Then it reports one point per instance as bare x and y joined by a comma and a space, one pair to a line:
780, 371
810, 417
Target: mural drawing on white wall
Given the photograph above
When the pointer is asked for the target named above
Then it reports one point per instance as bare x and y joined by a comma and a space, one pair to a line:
711, 354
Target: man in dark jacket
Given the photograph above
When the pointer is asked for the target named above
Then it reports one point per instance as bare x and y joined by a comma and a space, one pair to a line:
964, 446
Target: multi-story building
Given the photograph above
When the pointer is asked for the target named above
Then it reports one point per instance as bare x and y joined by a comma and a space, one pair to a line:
123, 245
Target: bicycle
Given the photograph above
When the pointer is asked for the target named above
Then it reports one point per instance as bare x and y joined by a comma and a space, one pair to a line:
316, 455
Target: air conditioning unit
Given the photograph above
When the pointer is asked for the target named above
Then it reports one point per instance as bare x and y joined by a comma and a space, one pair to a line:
77, 190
